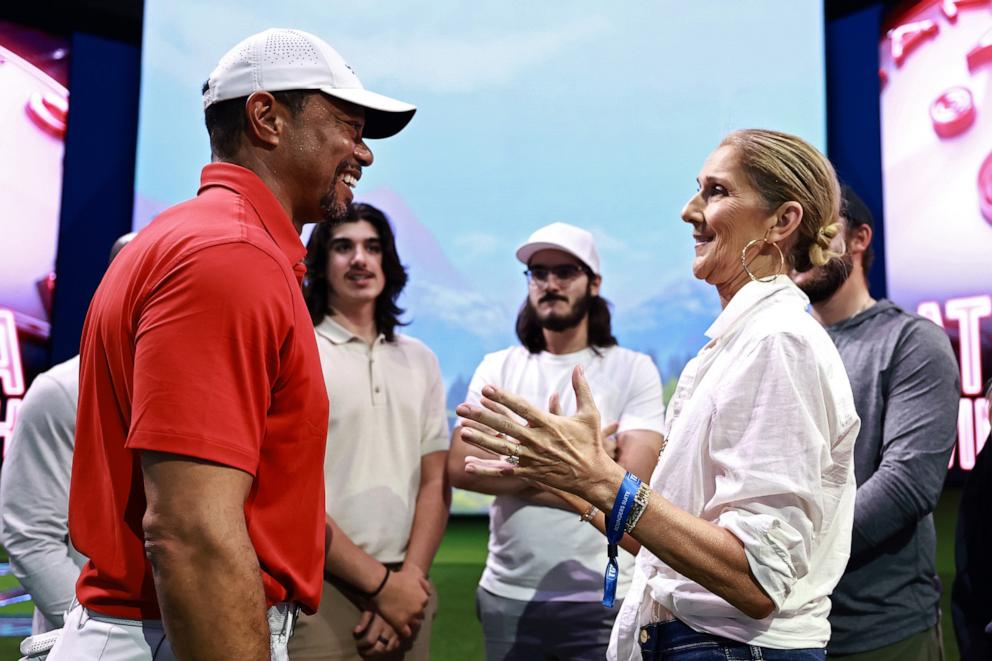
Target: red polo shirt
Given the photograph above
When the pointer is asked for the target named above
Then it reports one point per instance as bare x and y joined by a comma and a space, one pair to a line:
198, 343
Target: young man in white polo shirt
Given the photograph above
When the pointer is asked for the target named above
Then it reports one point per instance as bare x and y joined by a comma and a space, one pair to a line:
539, 597
387, 496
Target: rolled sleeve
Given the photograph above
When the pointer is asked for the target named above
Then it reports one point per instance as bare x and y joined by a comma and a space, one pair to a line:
776, 551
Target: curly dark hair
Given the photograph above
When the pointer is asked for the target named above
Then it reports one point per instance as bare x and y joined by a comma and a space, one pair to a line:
316, 290
531, 333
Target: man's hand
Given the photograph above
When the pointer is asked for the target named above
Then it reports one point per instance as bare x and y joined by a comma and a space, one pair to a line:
403, 600
608, 439
374, 638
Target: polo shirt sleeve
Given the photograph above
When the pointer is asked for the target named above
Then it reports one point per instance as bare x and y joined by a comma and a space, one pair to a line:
645, 407
770, 447
434, 433
208, 345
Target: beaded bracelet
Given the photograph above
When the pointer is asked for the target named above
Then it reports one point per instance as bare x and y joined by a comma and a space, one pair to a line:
590, 513
640, 504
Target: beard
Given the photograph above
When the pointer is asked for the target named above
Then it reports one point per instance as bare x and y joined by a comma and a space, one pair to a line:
828, 279
333, 210
562, 322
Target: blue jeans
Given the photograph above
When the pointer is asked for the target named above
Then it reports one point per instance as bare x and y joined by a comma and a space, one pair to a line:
674, 641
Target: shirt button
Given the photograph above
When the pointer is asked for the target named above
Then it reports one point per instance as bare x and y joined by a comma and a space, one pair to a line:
377, 390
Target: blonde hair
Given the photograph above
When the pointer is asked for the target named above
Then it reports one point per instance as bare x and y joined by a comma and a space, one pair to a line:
784, 168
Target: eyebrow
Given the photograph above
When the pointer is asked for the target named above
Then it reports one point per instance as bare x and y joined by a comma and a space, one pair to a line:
346, 239
344, 116
714, 178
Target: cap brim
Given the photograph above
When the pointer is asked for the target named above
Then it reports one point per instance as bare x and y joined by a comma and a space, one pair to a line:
384, 116
526, 251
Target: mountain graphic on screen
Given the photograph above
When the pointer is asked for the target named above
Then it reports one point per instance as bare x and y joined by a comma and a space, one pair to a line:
670, 325
457, 321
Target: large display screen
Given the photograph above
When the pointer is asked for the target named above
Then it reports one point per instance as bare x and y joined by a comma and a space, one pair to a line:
936, 107
594, 114
34, 104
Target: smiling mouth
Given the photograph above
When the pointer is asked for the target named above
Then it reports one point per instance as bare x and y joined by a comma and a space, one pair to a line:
350, 180
699, 236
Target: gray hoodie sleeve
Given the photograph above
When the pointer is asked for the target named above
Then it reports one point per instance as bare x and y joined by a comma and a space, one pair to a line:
920, 426
34, 492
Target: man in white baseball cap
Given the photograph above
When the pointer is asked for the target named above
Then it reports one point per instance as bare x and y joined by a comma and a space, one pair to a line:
539, 597
279, 60
197, 489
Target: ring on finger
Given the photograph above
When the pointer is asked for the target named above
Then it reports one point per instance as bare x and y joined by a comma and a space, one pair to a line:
383, 640
513, 460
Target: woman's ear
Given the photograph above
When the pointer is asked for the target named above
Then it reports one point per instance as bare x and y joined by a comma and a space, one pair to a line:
787, 219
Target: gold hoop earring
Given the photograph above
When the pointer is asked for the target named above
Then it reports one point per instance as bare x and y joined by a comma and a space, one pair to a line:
767, 278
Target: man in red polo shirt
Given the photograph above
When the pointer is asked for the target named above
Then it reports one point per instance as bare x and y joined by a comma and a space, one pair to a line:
197, 486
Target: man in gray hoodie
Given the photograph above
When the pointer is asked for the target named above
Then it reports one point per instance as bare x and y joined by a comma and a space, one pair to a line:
906, 389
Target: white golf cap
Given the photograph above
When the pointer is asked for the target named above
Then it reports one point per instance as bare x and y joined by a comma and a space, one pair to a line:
562, 236
279, 59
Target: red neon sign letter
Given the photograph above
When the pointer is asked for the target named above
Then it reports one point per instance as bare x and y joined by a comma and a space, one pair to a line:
968, 312
11, 372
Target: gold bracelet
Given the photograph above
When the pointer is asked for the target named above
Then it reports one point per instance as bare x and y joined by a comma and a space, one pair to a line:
591, 512
640, 504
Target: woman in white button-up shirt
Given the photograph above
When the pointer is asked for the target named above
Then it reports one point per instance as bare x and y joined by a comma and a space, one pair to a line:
748, 525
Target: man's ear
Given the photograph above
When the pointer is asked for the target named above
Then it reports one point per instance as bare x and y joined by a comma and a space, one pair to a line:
594, 282
858, 240
265, 119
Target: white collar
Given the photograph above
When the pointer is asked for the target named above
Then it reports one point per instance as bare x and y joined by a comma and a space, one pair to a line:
748, 298
335, 333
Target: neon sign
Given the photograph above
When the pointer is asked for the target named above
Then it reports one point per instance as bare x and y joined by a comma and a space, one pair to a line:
973, 409
11, 374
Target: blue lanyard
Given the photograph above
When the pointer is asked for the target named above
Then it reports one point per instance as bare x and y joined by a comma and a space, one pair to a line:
615, 523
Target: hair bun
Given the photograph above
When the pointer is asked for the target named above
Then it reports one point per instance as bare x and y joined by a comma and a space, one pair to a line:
820, 252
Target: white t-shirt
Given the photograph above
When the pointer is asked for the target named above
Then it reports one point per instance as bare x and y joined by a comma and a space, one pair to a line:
761, 436
387, 411
542, 553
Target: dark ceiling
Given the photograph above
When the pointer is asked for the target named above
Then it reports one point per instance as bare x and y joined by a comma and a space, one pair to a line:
115, 19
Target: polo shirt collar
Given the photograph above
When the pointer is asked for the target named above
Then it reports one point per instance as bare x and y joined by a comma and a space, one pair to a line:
274, 218
335, 333
749, 297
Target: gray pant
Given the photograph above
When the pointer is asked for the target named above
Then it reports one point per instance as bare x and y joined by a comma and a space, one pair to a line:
927, 645
544, 630
89, 636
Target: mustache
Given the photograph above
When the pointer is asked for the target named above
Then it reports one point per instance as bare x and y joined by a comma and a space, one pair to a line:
345, 166
550, 298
